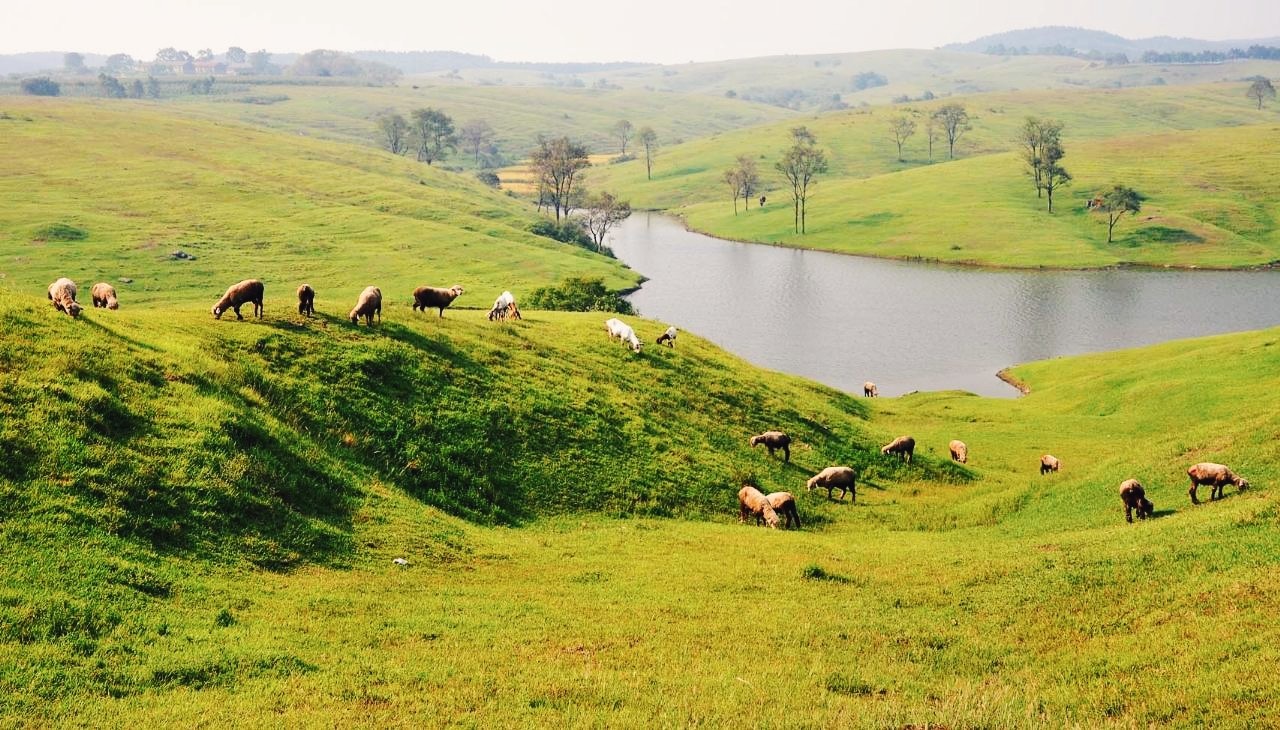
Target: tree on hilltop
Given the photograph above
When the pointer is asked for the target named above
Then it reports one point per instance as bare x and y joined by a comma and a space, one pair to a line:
1261, 89
902, 127
800, 164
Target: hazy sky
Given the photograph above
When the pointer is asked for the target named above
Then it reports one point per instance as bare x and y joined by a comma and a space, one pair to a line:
669, 31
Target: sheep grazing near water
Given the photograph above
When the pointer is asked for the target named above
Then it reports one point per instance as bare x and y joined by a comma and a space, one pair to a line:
903, 446
504, 307
784, 503
306, 300
752, 502
427, 297
833, 477
1216, 476
774, 440
1049, 463
237, 295
1135, 498
104, 295
959, 451
369, 304
668, 338
63, 295
617, 328
870, 390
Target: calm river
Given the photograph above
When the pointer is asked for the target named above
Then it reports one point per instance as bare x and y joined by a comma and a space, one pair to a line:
842, 320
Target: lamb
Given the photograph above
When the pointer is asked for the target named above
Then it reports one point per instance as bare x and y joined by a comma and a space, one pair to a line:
617, 328
774, 440
752, 502
836, 476
959, 451
869, 389
1216, 476
369, 303
784, 503
306, 300
1135, 498
249, 290
1049, 463
63, 295
668, 338
104, 295
903, 446
504, 307
426, 297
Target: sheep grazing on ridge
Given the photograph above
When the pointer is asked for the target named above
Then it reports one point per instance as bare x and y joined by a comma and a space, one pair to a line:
104, 295
1216, 476
617, 328
774, 440
306, 300
237, 295
959, 451
668, 338
903, 446
784, 503
427, 297
369, 304
835, 476
1135, 498
752, 502
1049, 463
869, 389
63, 295
504, 307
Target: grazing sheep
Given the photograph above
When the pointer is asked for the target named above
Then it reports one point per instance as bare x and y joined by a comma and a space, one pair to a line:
784, 503
903, 446
1135, 498
668, 338
1216, 476
504, 307
870, 390
617, 328
1049, 463
836, 476
104, 295
774, 440
63, 295
249, 290
369, 304
959, 451
752, 502
306, 300
426, 297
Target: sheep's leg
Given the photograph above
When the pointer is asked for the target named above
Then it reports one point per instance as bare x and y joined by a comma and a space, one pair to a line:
1128, 514
1192, 492
238, 315
786, 454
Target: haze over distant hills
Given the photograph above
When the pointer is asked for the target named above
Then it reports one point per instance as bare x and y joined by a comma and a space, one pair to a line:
1085, 40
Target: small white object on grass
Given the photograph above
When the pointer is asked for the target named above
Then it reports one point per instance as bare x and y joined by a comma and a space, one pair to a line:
400, 562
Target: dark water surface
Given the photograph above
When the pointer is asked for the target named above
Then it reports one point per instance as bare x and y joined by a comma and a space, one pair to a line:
842, 320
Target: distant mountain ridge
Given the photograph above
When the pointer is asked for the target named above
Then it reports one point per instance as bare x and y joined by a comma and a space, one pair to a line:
1097, 41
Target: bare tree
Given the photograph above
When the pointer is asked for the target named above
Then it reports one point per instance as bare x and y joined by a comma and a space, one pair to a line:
743, 180
733, 178
902, 127
557, 163
1030, 139
1115, 203
931, 133
800, 165
1261, 89
602, 212
623, 132
954, 122
1052, 174
649, 139
476, 136
432, 134
394, 131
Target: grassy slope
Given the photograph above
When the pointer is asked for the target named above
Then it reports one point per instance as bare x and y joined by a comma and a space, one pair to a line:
1208, 188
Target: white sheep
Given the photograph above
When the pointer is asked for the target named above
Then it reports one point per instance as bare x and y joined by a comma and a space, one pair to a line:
617, 328
504, 307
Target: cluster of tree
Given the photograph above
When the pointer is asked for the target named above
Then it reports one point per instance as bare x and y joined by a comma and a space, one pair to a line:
1264, 53
557, 163
743, 180
789, 98
577, 294
1040, 145
868, 80
1057, 49
428, 133
800, 165
906, 99
40, 86
335, 63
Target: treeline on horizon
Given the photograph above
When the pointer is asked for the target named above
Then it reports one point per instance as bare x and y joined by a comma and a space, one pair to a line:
1261, 53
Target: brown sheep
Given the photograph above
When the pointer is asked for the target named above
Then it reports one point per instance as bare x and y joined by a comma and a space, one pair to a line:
752, 502
903, 446
836, 476
369, 304
1049, 463
870, 390
306, 300
774, 440
104, 295
959, 451
63, 295
1135, 498
784, 503
1216, 476
249, 290
426, 297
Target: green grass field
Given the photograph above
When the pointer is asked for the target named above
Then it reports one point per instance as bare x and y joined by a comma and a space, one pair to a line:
200, 517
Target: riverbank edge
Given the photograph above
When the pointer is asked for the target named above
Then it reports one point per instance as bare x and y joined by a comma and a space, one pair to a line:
1018, 383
